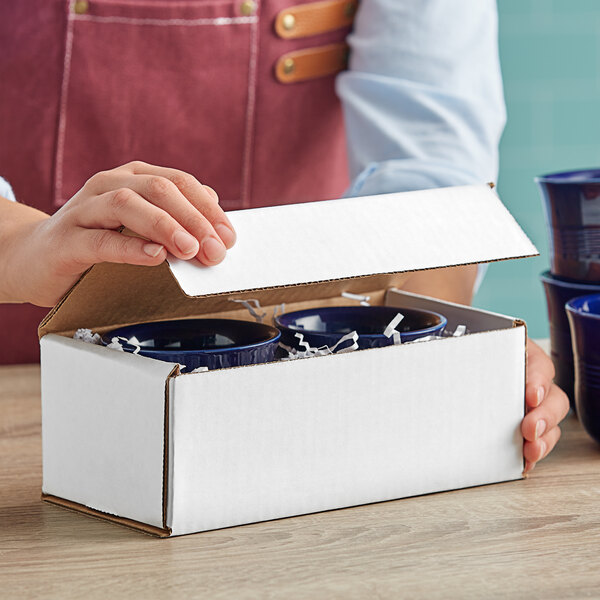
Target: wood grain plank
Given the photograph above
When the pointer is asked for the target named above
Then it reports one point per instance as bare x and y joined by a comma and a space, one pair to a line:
534, 538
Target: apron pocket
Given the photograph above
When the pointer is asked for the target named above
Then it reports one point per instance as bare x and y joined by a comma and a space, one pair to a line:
163, 82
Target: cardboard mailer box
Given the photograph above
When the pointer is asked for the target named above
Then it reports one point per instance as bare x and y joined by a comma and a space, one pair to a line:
132, 440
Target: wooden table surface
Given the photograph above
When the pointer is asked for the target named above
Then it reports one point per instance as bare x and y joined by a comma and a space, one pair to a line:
536, 538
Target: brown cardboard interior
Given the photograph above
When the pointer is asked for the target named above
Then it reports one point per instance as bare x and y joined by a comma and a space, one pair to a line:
111, 295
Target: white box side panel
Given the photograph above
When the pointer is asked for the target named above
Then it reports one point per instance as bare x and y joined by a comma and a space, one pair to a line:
103, 428
269, 441
475, 319
351, 237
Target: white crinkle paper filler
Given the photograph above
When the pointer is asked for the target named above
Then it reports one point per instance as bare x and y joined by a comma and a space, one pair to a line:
460, 331
115, 343
390, 330
86, 335
308, 352
278, 310
364, 300
253, 307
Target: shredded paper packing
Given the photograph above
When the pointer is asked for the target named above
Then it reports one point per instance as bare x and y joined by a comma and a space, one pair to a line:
390, 330
115, 343
86, 335
253, 307
278, 310
460, 331
294, 353
364, 300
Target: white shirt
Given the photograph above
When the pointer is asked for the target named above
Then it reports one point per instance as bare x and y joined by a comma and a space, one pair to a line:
6, 190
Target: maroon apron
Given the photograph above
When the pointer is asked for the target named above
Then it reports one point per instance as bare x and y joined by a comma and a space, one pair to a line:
87, 86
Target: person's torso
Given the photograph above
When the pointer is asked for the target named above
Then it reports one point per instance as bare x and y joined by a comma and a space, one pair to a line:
239, 93
205, 86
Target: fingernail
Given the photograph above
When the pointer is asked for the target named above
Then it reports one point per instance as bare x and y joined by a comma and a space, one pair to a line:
529, 466
540, 395
540, 428
542, 449
186, 243
153, 250
226, 234
213, 249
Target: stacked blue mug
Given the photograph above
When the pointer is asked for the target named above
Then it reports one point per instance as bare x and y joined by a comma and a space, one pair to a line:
572, 209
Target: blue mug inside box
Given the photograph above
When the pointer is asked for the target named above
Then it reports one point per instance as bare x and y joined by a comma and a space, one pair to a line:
210, 343
374, 326
199, 343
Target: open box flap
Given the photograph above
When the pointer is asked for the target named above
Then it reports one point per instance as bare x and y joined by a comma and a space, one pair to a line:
353, 237
352, 244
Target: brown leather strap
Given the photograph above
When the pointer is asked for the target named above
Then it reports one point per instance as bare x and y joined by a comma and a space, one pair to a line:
311, 63
315, 18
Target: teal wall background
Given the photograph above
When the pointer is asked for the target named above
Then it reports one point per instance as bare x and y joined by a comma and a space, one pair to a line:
550, 54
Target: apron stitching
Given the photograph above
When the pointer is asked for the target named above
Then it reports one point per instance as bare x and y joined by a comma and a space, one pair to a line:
62, 119
249, 134
167, 22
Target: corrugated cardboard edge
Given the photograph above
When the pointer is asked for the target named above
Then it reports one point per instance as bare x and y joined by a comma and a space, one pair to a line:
129, 523
57, 306
521, 323
165, 491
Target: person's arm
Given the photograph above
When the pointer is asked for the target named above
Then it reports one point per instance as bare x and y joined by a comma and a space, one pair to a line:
43, 256
424, 108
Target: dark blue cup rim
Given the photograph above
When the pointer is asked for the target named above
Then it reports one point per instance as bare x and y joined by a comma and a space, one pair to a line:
548, 277
370, 336
107, 337
576, 306
571, 177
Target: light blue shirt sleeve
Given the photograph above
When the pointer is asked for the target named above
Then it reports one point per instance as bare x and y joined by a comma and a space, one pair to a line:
423, 99
6, 190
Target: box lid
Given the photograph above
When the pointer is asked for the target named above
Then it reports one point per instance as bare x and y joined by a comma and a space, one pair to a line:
301, 244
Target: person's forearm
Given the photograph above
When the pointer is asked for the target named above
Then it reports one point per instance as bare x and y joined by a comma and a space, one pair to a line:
15, 220
454, 284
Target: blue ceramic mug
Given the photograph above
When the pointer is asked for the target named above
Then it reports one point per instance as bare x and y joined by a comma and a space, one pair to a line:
211, 343
584, 318
572, 208
558, 292
326, 326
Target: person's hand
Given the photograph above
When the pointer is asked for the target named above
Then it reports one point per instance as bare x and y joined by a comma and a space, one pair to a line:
171, 209
547, 406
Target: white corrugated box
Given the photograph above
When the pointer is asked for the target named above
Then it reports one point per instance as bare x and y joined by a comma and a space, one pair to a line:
132, 440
